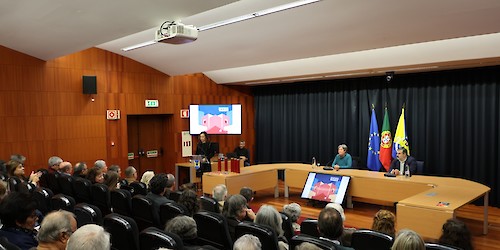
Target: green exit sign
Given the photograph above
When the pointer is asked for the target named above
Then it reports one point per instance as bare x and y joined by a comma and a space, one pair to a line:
152, 103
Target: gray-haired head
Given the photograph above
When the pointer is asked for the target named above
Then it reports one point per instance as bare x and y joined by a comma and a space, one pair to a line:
55, 225
293, 210
18, 157
184, 226
337, 207
408, 240
55, 161
269, 216
219, 192
170, 181
247, 242
343, 146
90, 236
99, 164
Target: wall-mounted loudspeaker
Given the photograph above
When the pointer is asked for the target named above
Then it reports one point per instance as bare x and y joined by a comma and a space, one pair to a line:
90, 85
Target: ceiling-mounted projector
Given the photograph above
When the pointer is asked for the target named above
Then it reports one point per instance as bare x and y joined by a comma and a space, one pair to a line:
176, 33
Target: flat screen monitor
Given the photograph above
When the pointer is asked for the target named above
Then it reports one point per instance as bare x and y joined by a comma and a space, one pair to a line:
216, 119
325, 187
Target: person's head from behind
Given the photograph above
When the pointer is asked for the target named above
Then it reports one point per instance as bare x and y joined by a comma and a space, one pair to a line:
80, 169
56, 228
337, 207
307, 246
330, 223
17, 210
384, 221
408, 240
203, 137
115, 168
147, 176
112, 180
269, 216
170, 182
184, 226
131, 173
66, 167
189, 199
235, 206
90, 236
293, 210
54, 162
158, 184
455, 233
342, 149
247, 193
402, 154
247, 242
219, 192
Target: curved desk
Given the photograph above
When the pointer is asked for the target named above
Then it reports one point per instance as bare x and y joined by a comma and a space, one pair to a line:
417, 197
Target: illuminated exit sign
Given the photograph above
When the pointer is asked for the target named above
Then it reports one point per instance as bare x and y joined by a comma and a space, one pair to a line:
151, 103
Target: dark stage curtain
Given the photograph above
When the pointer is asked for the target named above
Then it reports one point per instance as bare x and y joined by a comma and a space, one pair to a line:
452, 120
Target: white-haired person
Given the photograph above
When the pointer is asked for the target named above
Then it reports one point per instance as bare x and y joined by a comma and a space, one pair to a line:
346, 237
90, 236
407, 239
247, 242
219, 193
293, 211
269, 216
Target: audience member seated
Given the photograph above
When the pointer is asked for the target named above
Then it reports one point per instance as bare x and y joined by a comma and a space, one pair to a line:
95, 175
269, 216
235, 210
158, 187
247, 242
293, 210
112, 180
49, 180
130, 174
456, 234
170, 184
66, 168
18, 157
190, 201
307, 246
407, 239
219, 193
15, 170
331, 227
146, 177
248, 194
186, 186
185, 227
90, 236
342, 159
384, 222
18, 216
101, 164
55, 230
80, 170
346, 237
116, 169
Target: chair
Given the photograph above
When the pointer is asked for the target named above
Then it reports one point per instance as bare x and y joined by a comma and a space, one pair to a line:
81, 187
144, 213
309, 227
123, 230
43, 198
153, 238
101, 197
355, 162
436, 246
209, 204
62, 201
321, 243
287, 226
66, 184
174, 195
266, 235
121, 202
420, 167
213, 230
365, 239
139, 188
171, 210
87, 214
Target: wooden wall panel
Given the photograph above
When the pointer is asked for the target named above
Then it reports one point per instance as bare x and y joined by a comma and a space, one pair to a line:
45, 112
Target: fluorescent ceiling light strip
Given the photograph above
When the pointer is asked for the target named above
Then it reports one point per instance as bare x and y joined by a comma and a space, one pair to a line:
140, 45
256, 14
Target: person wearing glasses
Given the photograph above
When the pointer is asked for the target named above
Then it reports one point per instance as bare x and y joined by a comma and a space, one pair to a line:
18, 216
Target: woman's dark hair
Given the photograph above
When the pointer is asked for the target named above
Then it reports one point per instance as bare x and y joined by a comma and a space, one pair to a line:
11, 167
111, 180
456, 234
233, 205
16, 207
206, 135
93, 172
189, 199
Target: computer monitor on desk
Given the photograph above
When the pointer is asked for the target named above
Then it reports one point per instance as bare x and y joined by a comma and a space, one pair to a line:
325, 187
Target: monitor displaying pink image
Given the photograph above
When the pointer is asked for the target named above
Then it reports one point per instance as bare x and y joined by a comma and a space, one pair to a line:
325, 187
215, 119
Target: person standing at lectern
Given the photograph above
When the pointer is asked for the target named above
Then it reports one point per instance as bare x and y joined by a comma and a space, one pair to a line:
243, 153
206, 149
343, 159
402, 160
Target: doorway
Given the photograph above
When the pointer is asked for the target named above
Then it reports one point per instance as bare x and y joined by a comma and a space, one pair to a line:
147, 140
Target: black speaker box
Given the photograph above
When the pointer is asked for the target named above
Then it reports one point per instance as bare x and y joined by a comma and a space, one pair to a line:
90, 85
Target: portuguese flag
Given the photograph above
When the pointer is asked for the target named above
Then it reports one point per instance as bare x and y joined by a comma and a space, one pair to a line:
386, 143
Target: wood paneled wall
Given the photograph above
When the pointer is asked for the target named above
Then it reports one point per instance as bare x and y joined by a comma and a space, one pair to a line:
43, 111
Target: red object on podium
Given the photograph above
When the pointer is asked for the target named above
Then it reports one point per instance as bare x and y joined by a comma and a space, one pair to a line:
219, 166
235, 166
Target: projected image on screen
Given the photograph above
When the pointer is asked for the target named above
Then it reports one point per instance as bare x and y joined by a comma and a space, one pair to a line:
325, 187
215, 119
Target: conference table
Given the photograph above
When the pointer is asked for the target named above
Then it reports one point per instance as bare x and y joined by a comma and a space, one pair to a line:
424, 203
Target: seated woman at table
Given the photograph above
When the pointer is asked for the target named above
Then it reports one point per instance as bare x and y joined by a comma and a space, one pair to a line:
342, 159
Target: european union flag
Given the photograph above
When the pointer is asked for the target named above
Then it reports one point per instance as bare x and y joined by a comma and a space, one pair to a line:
373, 162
